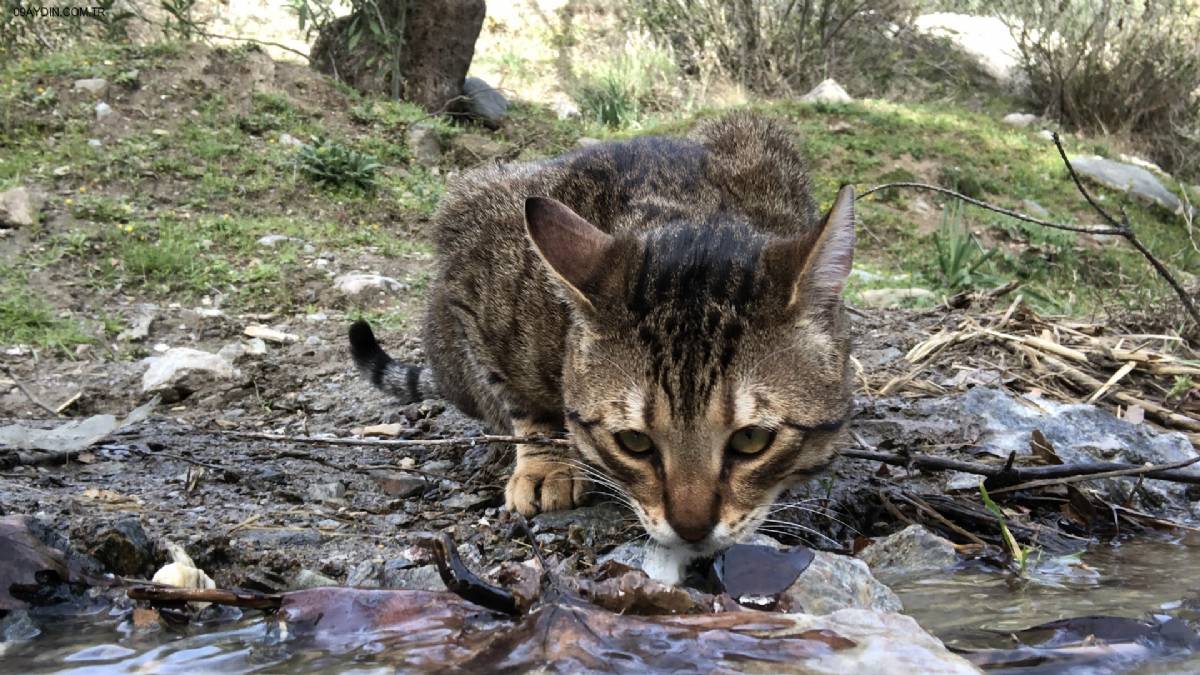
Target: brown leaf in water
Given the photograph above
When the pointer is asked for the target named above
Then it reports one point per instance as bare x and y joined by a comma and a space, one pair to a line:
24, 561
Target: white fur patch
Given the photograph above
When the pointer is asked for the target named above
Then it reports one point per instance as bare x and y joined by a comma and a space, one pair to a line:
666, 564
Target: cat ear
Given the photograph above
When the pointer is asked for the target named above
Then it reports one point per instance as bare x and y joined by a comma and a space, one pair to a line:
574, 249
813, 272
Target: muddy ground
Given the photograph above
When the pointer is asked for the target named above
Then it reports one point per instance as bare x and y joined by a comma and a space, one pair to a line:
254, 513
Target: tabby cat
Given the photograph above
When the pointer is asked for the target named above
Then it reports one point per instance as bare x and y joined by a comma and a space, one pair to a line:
674, 303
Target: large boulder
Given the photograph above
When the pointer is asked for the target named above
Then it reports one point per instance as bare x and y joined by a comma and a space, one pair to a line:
484, 102
439, 42
1130, 178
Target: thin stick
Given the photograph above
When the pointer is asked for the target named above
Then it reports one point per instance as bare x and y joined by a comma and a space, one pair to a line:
167, 595
461, 441
931, 463
1142, 471
29, 395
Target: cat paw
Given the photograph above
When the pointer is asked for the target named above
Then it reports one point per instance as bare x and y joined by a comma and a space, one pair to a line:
538, 485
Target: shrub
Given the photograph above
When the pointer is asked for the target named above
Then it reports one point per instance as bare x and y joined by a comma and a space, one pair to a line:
618, 91
1118, 66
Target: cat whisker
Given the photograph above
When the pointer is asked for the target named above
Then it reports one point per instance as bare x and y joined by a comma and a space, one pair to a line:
782, 527
816, 512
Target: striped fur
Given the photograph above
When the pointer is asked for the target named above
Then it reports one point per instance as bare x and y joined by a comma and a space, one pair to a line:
407, 382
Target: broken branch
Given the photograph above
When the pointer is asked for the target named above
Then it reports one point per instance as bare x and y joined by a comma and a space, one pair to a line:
171, 595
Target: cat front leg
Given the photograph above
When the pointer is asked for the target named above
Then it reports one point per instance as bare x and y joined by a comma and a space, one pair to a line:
545, 478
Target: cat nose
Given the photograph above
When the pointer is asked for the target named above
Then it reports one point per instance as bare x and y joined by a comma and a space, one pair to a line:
693, 531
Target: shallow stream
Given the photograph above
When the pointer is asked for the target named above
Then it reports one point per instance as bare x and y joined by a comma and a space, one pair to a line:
970, 608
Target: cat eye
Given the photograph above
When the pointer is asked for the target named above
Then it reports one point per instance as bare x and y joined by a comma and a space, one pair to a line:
634, 442
751, 440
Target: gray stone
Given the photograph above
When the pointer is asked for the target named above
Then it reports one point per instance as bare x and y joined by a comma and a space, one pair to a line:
1020, 119
602, 516
184, 370
464, 500
366, 574
18, 626
96, 86
424, 144
290, 141
828, 91
1135, 180
1079, 433
985, 39
256, 347
95, 143
585, 141
834, 582
310, 579
1046, 135
270, 240
274, 539
485, 101
401, 574
103, 111
913, 551
139, 328
401, 485
19, 207
477, 147
327, 492
894, 297
358, 284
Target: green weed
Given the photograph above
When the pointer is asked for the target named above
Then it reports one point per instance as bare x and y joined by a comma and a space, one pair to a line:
335, 164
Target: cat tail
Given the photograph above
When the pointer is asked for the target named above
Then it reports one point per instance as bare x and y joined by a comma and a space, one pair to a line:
408, 382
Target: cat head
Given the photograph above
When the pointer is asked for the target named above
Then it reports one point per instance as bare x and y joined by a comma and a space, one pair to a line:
707, 363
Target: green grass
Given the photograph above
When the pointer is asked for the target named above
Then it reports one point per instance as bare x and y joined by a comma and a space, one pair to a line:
27, 319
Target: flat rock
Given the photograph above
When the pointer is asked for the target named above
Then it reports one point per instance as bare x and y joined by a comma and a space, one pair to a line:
485, 101
357, 284
828, 91
913, 551
894, 297
309, 579
1129, 178
269, 240
262, 332
402, 485
96, 86
327, 492
185, 370
20, 206
477, 147
884, 642
398, 574
424, 144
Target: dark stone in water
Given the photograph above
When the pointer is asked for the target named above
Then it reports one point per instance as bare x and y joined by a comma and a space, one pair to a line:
755, 575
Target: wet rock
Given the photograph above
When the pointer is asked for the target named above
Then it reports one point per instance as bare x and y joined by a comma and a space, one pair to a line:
20, 207
401, 485
828, 91
485, 102
180, 371
1129, 178
913, 551
96, 86
402, 573
894, 297
1020, 119
18, 626
310, 579
357, 284
123, 548
327, 492
885, 642
424, 144
833, 582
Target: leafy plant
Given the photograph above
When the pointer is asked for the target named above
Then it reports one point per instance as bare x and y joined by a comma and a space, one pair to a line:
180, 20
961, 263
112, 19
1020, 554
336, 164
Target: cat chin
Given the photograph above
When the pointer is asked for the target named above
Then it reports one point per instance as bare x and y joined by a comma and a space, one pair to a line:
667, 564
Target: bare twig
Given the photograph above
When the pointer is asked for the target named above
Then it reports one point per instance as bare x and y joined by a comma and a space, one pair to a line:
931, 463
29, 395
166, 595
1141, 471
460, 441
